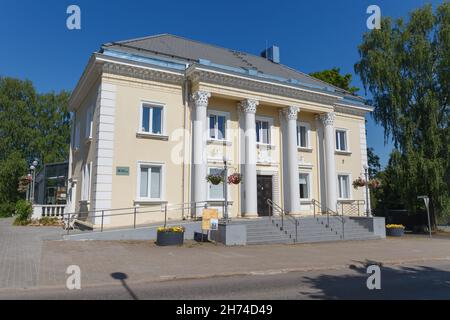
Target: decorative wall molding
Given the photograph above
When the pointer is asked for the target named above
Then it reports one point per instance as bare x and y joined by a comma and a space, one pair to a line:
201, 98
291, 112
349, 111
248, 106
258, 86
328, 118
143, 73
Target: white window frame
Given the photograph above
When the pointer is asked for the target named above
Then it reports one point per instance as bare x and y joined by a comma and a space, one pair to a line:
87, 180
145, 103
346, 137
310, 181
209, 184
349, 186
89, 122
308, 135
213, 112
141, 164
270, 129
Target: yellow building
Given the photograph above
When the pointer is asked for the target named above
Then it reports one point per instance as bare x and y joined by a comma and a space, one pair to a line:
154, 116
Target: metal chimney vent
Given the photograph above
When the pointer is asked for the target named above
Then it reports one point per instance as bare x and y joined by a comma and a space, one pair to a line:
272, 53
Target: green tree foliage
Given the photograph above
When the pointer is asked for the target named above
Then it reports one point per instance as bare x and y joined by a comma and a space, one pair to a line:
31, 126
406, 67
334, 77
373, 162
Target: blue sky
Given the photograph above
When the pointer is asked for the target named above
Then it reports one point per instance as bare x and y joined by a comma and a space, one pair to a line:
312, 35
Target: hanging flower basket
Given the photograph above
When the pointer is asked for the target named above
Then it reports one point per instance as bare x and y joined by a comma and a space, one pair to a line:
235, 178
214, 179
374, 184
360, 182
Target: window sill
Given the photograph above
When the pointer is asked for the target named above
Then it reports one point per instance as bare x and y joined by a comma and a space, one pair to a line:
305, 201
307, 149
88, 140
218, 202
219, 142
144, 201
345, 200
265, 145
343, 153
265, 163
146, 135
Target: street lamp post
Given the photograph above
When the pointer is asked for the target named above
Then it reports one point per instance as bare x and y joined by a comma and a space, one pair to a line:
366, 173
33, 169
29, 177
225, 187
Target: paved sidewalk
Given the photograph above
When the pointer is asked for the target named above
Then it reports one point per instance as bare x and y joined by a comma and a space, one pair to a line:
45, 264
20, 253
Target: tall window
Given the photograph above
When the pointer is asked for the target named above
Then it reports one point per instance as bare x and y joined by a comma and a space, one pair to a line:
341, 140
217, 127
344, 186
152, 119
304, 186
89, 122
86, 182
302, 136
76, 142
262, 131
215, 192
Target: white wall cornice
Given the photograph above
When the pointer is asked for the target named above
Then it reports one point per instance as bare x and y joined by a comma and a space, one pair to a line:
200, 75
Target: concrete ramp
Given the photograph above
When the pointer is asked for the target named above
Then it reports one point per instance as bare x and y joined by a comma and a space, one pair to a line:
140, 233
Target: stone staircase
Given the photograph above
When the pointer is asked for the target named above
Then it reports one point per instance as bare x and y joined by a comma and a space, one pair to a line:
310, 229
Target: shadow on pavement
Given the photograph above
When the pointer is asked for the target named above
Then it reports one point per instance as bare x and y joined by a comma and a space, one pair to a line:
418, 282
122, 277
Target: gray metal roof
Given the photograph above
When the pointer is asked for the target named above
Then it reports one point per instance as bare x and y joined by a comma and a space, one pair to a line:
183, 49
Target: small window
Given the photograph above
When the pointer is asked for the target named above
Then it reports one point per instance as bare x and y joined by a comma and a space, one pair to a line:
302, 136
262, 132
152, 119
217, 127
341, 140
89, 123
344, 186
304, 186
215, 192
150, 182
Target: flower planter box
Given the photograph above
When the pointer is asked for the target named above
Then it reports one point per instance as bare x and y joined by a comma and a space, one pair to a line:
395, 232
168, 238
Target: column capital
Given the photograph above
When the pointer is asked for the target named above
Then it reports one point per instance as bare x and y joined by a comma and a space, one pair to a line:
291, 112
248, 105
201, 98
328, 118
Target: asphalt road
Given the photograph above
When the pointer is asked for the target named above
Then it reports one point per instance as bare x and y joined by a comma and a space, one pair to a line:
428, 280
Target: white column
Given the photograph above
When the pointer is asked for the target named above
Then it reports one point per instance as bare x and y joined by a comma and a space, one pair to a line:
248, 107
200, 100
330, 165
293, 190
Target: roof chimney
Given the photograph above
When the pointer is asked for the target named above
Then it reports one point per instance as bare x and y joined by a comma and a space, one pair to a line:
272, 53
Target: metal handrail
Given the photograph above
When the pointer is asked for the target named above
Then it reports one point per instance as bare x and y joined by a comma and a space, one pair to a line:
134, 211
329, 213
351, 207
273, 206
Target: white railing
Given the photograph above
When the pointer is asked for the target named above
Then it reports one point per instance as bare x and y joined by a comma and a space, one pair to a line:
47, 210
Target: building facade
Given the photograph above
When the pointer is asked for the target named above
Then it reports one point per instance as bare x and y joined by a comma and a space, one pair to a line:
154, 116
